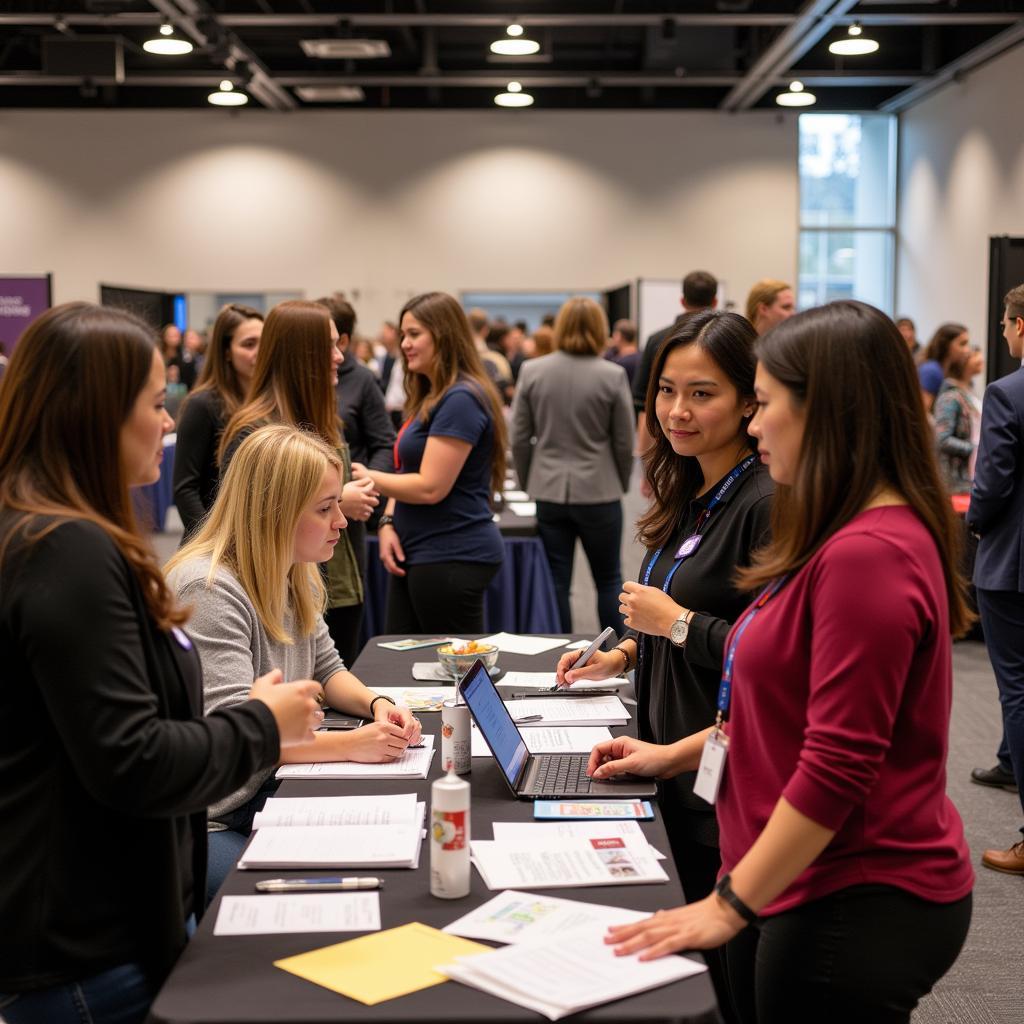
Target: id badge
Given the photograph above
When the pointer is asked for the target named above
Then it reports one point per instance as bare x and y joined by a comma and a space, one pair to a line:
712, 766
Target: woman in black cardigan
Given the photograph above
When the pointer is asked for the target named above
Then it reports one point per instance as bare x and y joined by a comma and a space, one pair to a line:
107, 764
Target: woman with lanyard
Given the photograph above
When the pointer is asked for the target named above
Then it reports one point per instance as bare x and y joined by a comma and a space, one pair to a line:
438, 539
839, 843
711, 510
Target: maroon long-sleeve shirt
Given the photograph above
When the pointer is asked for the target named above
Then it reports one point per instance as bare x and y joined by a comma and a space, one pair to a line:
840, 703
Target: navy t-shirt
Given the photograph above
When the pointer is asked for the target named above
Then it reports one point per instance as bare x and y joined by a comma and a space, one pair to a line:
460, 527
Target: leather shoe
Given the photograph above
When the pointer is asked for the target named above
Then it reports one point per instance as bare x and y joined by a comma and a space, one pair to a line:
1010, 861
997, 776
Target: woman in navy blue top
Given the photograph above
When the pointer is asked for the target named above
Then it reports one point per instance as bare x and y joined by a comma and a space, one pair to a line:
438, 539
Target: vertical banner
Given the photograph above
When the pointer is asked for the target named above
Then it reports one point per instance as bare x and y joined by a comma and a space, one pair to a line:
22, 299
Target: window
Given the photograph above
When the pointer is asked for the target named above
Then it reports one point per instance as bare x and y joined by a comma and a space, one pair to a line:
847, 209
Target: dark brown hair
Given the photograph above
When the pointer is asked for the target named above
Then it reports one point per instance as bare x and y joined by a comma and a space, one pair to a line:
341, 311
848, 368
292, 379
455, 359
942, 339
219, 373
728, 340
700, 289
71, 385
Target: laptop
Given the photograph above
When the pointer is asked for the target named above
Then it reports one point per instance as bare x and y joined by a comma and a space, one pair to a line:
533, 776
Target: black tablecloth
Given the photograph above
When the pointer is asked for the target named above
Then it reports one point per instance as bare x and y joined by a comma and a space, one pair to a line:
232, 979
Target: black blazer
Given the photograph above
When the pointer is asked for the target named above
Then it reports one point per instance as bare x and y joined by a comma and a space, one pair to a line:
997, 498
106, 766
195, 457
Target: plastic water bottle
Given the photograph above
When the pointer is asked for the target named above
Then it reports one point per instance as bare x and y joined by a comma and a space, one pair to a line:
449, 837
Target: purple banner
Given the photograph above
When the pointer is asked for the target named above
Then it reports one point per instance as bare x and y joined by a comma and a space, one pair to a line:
22, 299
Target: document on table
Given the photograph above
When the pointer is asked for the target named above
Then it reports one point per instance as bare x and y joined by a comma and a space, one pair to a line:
542, 831
522, 508
381, 809
516, 496
516, 643
385, 965
518, 864
418, 698
524, 917
546, 680
299, 912
567, 973
548, 741
333, 846
429, 672
604, 710
413, 764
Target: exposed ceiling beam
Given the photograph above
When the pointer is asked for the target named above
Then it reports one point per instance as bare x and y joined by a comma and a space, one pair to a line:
955, 69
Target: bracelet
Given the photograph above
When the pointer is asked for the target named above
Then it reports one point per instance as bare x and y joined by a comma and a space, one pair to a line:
380, 696
385, 520
625, 657
724, 890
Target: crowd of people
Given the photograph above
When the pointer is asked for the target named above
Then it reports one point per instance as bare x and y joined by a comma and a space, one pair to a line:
794, 610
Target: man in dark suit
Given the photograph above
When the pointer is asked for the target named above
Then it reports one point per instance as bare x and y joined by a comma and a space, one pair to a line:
997, 516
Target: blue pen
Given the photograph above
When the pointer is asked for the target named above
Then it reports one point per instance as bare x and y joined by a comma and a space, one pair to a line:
318, 884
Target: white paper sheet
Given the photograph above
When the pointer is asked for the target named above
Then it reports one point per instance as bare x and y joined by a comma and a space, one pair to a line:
413, 764
566, 973
429, 672
522, 508
525, 917
299, 912
382, 809
545, 680
515, 864
548, 741
515, 643
516, 496
570, 710
542, 831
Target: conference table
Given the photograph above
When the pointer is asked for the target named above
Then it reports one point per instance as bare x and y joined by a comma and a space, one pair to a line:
232, 980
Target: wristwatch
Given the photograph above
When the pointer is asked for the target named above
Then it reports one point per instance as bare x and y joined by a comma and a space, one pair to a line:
680, 629
385, 520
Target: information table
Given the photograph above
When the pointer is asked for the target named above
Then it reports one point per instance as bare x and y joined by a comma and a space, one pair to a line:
232, 980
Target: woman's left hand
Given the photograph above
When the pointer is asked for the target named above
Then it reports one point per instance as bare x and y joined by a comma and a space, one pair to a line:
703, 925
400, 716
648, 609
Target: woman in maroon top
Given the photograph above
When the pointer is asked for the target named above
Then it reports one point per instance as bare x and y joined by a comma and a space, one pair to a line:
838, 840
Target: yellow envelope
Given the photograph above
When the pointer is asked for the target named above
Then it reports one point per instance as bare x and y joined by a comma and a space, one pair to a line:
384, 965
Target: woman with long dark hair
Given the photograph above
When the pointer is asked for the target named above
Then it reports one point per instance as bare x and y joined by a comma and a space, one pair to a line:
107, 763
438, 538
948, 345
838, 839
222, 388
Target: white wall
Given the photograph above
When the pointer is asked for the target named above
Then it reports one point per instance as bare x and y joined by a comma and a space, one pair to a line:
386, 204
961, 181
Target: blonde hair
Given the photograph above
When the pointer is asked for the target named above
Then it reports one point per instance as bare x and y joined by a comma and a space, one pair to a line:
764, 293
581, 327
250, 530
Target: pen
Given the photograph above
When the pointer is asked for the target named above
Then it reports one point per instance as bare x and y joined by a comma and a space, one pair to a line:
564, 691
318, 884
528, 718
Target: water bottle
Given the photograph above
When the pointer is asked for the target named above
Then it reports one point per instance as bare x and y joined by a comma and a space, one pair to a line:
449, 837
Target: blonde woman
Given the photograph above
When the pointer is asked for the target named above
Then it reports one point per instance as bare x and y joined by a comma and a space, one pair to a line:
251, 576
769, 303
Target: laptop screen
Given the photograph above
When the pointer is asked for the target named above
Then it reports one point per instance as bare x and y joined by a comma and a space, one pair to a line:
494, 721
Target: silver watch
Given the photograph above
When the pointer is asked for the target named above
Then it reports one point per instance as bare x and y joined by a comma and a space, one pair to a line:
680, 630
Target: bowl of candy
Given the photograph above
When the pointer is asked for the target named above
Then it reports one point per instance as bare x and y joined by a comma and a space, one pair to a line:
458, 659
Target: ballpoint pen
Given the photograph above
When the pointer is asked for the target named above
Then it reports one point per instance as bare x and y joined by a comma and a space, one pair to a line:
528, 718
318, 884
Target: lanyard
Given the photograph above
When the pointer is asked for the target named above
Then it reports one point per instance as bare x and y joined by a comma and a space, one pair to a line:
398, 441
725, 687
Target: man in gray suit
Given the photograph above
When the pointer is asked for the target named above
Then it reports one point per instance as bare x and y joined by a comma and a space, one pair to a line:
997, 516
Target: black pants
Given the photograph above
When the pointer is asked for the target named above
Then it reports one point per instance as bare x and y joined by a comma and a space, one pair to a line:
446, 598
343, 625
599, 529
863, 955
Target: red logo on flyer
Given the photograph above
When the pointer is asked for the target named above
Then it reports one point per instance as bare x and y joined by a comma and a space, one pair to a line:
608, 844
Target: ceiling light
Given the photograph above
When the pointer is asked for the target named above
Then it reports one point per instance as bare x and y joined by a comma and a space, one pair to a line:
227, 96
330, 94
167, 44
513, 96
854, 44
796, 97
515, 45
345, 49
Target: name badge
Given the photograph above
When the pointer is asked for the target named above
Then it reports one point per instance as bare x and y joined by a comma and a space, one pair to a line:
712, 766
688, 546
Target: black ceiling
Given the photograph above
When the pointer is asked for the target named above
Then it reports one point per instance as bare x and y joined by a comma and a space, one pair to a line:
729, 54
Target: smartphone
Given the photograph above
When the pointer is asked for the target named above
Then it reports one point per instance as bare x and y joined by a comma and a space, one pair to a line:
597, 644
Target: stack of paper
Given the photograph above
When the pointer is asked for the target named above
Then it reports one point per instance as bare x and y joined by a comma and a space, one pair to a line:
381, 809
546, 680
558, 863
413, 764
548, 741
393, 845
566, 973
606, 710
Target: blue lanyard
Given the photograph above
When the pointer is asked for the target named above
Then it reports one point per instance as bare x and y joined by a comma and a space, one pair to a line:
725, 687
690, 545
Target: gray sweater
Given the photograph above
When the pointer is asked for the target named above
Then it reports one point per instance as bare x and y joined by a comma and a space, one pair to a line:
235, 649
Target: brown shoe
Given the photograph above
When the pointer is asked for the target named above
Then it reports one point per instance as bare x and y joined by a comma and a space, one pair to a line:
1010, 861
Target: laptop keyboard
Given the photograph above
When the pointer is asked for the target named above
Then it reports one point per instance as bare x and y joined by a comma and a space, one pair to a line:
563, 773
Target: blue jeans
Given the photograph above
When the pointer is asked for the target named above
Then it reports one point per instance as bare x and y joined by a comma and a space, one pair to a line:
121, 995
599, 529
225, 847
